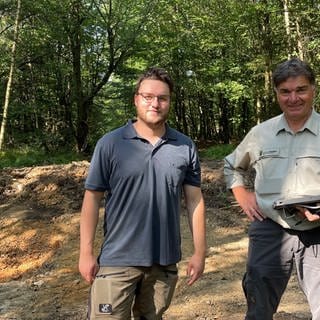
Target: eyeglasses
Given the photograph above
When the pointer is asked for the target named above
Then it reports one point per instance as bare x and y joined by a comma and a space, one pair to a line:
148, 98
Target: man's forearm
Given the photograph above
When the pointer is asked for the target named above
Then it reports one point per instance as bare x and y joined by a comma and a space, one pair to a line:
88, 221
197, 220
198, 225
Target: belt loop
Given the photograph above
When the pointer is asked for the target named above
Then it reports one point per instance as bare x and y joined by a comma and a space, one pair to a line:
315, 250
299, 243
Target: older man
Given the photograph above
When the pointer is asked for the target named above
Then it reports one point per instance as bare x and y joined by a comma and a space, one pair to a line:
285, 154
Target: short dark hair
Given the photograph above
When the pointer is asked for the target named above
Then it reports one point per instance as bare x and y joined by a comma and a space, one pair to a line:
155, 73
292, 68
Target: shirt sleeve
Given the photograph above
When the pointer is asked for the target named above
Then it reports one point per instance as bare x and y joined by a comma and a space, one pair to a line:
237, 164
98, 174
193, 174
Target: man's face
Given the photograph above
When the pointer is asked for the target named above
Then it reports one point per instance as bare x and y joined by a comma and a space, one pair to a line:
152, 102
295, 97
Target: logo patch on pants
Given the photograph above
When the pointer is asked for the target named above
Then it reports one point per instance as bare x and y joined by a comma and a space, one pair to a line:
105, 308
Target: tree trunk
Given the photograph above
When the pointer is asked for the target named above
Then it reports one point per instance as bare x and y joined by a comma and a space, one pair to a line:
78, 97
224, 128
9, 83
287, 25
299, 40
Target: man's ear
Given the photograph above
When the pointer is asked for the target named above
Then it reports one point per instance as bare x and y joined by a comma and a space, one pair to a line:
135, 97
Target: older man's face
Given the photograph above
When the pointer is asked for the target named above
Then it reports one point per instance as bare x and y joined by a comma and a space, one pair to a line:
295, 97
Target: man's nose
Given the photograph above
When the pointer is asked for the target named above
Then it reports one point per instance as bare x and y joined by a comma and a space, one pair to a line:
155, 102
293, 96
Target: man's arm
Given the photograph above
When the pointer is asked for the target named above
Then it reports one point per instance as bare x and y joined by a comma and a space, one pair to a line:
88, 265
197, 221
248, 203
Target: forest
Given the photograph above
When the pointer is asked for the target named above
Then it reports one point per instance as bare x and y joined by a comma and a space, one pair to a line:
68, 67
67, 75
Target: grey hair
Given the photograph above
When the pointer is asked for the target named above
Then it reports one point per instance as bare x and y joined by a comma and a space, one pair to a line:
290, 69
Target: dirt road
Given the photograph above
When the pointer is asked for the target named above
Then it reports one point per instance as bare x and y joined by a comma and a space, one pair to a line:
39, 233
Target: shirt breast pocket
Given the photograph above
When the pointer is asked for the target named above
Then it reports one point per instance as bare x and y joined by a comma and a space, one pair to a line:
271, 164
308, 171
271, 170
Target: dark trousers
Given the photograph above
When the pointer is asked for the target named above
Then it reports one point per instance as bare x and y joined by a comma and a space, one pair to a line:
272, 252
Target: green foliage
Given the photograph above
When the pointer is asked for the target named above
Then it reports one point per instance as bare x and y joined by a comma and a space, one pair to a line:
27, 157
216, 152
77, 61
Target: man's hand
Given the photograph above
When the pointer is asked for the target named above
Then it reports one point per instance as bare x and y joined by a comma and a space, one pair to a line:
195, 268
306, 214
248, 203
88, 267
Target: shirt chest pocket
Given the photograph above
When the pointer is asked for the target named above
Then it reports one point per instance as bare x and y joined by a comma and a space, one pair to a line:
272, 163
308, 171
271, 170
309, 163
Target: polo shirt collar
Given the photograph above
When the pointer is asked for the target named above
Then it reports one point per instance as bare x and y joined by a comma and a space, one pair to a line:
130, 133
170, 133
312, 124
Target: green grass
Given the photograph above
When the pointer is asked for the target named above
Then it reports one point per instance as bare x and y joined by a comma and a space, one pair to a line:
216, 152
27, 157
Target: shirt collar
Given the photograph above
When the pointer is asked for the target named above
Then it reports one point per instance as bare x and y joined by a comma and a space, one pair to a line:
130, 133
312, 124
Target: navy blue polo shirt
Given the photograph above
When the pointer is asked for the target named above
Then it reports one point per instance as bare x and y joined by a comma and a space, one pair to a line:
144, 185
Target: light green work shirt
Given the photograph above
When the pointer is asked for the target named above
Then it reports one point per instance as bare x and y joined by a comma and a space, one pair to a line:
286, 164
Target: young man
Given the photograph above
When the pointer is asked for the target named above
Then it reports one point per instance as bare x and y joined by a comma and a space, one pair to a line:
143, 168
285, 154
